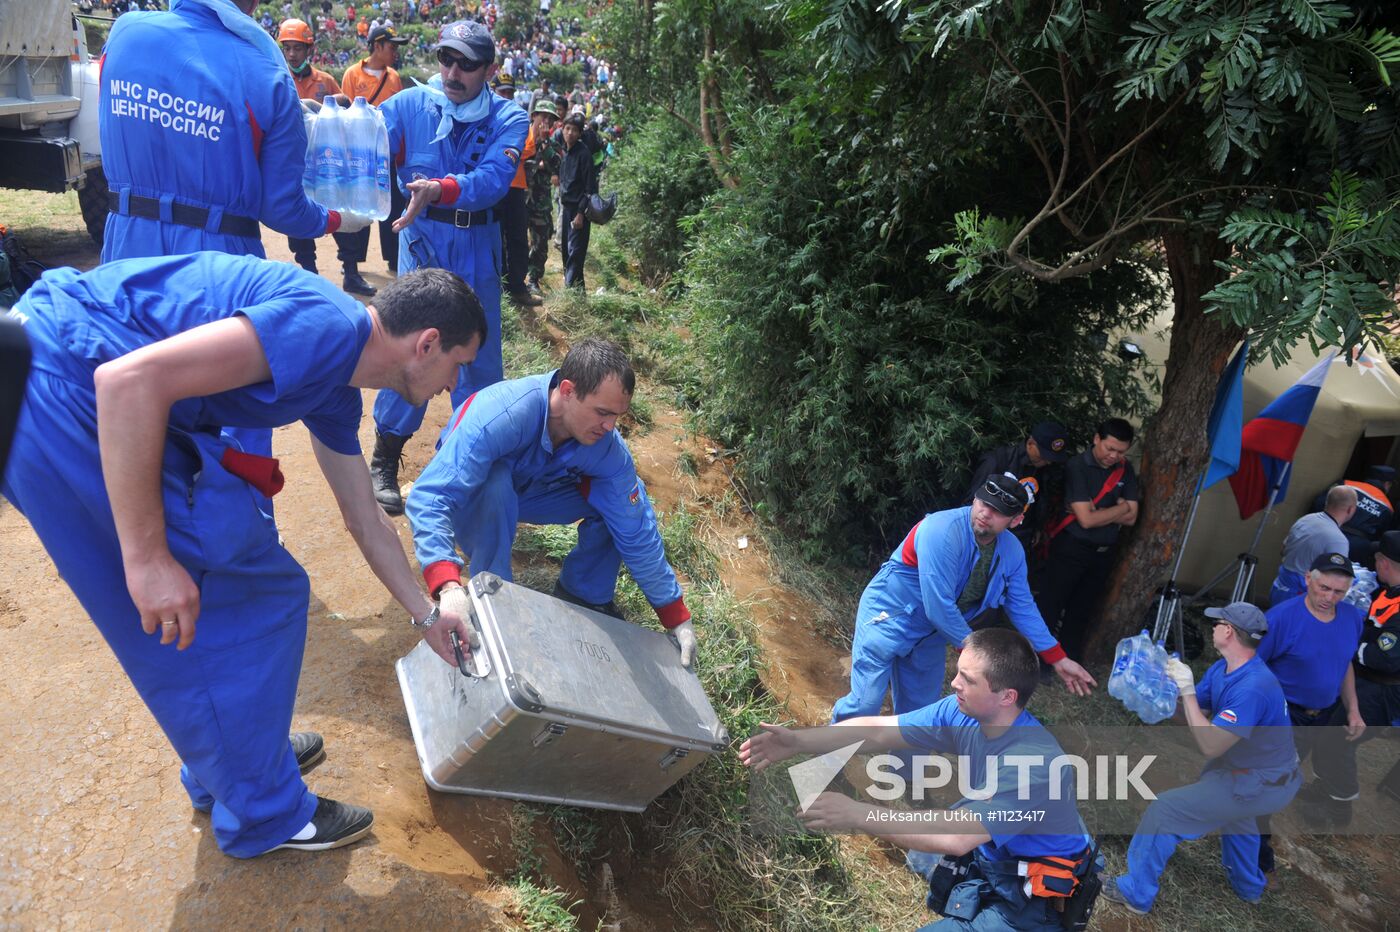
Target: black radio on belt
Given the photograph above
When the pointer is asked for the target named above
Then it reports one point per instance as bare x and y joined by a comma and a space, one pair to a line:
14, 372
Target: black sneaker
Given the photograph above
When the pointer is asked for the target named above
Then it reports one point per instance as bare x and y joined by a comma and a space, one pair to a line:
607, 608
309, 749
336, 825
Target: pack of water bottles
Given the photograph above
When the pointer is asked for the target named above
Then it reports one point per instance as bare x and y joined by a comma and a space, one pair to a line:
1363, 588
1139, 679
347, 160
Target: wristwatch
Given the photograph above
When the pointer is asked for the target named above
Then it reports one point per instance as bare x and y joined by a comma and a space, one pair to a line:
429, 619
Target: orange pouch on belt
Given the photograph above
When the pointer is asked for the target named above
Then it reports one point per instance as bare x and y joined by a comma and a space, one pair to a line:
1049, 877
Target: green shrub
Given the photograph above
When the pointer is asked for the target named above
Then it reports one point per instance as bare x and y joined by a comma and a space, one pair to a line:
857, 390
661, 177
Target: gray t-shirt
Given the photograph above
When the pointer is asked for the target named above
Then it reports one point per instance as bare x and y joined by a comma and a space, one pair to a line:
1310, 537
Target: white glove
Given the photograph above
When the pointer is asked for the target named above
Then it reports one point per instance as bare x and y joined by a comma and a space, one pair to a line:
684, 636
1181, 675
351, 222
455, 601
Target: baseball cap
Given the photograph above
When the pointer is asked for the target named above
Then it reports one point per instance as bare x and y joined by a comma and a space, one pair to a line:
470, 38
1390, 546
505, 81
385, 32
1005, 494
1244, 616
544, 105
1333, 563
1050, 437
1381, 473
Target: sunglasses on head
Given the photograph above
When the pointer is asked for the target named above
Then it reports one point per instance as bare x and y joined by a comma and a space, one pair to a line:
448, 60
1001, 495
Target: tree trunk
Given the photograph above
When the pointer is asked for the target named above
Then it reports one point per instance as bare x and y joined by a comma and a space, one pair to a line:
1175, 451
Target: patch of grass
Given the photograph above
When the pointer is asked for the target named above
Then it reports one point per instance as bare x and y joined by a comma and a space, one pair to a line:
686, 464
552, 540
523, 354
543, 909
642, 412
48, 225
834, 590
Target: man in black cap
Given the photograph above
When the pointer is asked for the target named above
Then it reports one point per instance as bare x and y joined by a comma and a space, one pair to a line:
1377, 671
461, 147
1312, 638
1374, 513
1036, 461
952, 568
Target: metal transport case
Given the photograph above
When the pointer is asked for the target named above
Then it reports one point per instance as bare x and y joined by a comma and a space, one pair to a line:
565, 705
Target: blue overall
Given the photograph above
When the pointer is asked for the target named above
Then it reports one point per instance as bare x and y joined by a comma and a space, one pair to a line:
909, 613
194, 114
996, 899
225, 703
1256, 776
479, 160
496, 466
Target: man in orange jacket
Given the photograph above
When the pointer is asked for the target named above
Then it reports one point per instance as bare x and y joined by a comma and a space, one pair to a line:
376, 80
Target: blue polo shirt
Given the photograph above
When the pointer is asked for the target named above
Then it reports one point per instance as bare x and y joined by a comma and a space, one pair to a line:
1248, 702
943, 728
1310, 657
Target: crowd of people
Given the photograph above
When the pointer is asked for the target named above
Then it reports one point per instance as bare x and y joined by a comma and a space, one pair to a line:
150, 417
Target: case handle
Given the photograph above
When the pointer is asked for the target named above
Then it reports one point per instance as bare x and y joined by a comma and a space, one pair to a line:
482, 662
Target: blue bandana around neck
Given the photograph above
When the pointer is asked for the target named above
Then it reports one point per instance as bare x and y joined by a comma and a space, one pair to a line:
469, 111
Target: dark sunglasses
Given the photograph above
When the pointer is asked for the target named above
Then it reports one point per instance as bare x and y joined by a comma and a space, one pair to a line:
448, 60
1001, 495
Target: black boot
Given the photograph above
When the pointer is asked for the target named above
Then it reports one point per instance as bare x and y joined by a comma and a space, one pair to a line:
384, 472
607, 608
354, 283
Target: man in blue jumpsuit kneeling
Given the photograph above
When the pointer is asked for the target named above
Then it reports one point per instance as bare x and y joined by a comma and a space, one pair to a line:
457, 150
1251, 771
1029, 850
545, 449
953, 566
124, 466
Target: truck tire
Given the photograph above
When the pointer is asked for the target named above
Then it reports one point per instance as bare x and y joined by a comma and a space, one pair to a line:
92, 198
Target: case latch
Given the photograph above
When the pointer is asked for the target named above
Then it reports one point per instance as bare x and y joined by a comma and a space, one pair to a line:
549, 733
673, 756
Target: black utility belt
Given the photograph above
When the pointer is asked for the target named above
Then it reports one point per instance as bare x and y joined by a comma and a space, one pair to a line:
462, 219
186, 215
1312, 713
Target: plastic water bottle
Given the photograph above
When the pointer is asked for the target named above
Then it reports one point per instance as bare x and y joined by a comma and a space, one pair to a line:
1139, 679
1363, 587
308, 173
1163, 695
359, 158
383, 171
329, 143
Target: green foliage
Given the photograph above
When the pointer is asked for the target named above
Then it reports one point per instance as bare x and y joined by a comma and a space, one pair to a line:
561, 78
856, 389
661, 178
544, 909
514, 20
1287, 146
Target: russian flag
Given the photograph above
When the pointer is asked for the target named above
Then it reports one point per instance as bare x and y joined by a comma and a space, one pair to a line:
1225, 428
1269, 441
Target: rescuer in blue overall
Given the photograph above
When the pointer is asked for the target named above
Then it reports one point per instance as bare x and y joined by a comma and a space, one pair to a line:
1252, 769
1028, 851
456, 152
202, 140
146, 506
952, 567
202, 136
545, 449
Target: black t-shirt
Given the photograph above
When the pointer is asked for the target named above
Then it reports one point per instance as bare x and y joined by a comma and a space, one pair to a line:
1084, 478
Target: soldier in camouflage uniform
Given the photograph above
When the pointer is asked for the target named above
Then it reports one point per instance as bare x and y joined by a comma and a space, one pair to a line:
541, 172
